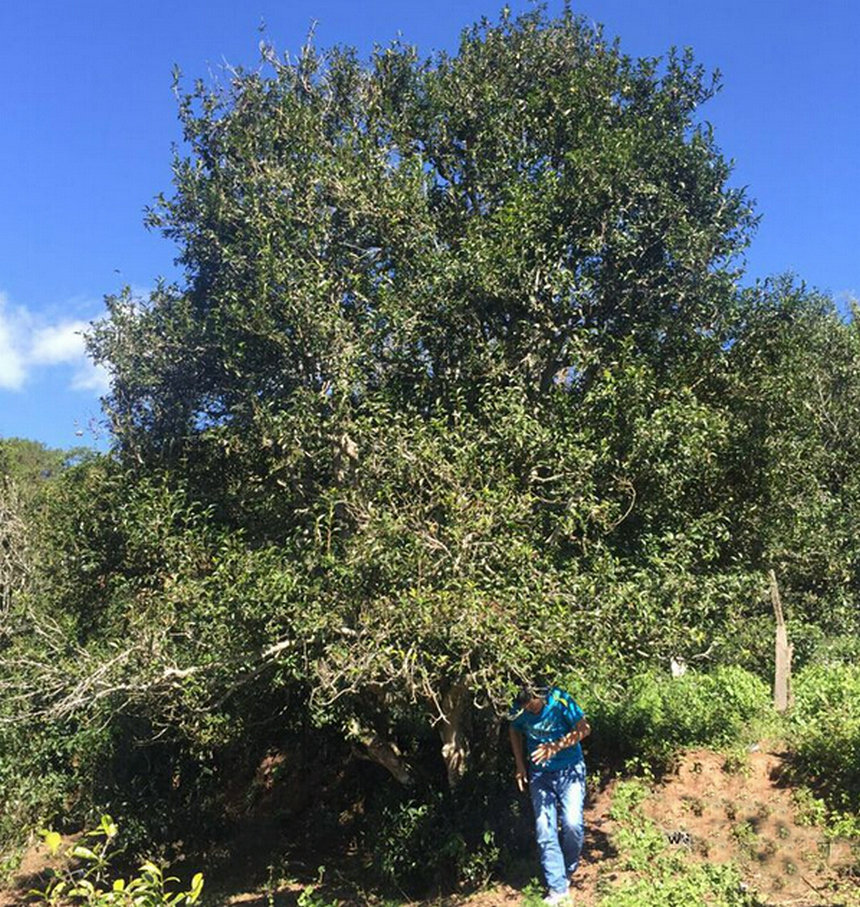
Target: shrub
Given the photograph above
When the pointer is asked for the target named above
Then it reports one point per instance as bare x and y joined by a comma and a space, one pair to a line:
433, 840
658, 715
824, 731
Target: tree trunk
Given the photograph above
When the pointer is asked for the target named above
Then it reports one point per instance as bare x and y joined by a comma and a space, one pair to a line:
385, 753
452, 730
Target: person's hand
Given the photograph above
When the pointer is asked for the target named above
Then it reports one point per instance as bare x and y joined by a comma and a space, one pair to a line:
522, 780
543, 752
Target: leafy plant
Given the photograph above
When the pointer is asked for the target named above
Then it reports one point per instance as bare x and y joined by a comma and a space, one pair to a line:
458, 387
824, 731
86, 880
656, 715
308, 896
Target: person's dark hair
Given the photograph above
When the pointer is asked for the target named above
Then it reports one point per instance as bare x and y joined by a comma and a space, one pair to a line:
524, 696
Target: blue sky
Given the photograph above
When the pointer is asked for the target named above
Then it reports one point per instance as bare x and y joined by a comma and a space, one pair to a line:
87, 118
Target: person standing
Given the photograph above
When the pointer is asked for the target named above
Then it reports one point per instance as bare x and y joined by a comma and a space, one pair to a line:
551, 725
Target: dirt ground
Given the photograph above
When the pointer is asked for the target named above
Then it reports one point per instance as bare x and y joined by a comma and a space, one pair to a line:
744, 813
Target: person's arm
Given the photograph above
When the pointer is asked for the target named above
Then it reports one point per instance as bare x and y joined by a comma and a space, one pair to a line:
521, 775
571, 738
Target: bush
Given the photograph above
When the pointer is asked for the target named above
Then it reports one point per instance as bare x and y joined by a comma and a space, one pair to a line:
825, 731
439, 841
658, 715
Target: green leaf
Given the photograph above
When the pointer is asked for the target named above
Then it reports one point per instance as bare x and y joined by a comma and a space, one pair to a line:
84, 852
52, 840
196, 887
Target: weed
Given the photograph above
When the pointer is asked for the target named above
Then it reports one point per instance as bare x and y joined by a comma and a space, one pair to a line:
628, 796
766, 849
810, 810
694, 805
90, 886
744, 835
476, 868
718, 886
737, 762
532, 894
309, 898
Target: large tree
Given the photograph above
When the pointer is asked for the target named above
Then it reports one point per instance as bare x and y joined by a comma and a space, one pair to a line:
415, 293
431, 314
422, 230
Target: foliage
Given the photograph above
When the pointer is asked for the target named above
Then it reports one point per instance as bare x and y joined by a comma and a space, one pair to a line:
455, 839
459, 387
666, 886
824, 733
308, 896
14, 546
30, 463
32, 777
25, 467
91, 886
797, 396
657, 715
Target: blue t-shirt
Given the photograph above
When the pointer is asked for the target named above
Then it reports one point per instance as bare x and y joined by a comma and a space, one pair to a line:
559, 716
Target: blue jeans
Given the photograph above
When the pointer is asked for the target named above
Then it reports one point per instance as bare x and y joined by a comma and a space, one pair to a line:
563, 789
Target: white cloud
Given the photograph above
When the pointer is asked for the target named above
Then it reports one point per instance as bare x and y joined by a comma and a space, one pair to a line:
58, 343
12, 370
91, 377
28, 344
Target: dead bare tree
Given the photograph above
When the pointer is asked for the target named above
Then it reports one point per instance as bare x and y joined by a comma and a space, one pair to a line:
782, 676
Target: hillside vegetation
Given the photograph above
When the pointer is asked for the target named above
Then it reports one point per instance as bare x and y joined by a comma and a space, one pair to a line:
461, 386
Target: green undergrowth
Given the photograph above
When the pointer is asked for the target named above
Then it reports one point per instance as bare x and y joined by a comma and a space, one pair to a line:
417, 840
655, 715
824, 733
88, 877
833, 823
663, 876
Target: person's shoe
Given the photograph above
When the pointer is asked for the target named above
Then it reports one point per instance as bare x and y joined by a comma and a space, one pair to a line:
557, 897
